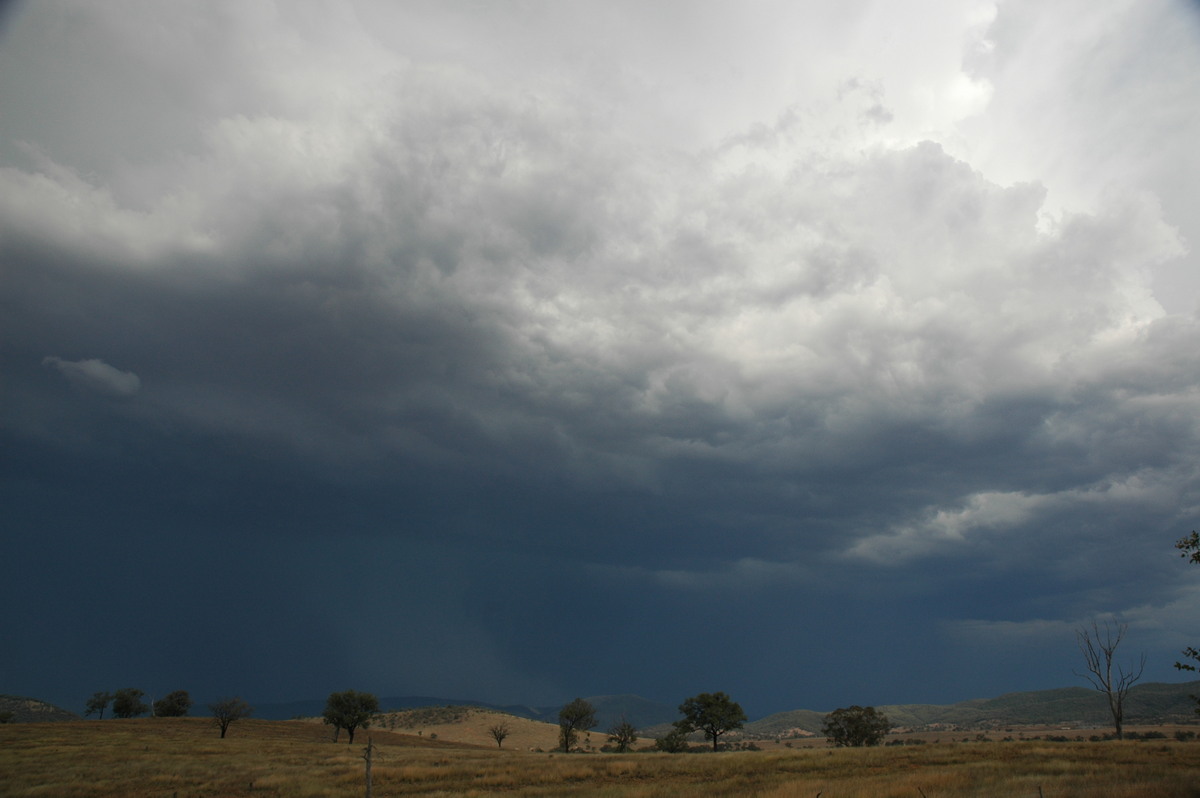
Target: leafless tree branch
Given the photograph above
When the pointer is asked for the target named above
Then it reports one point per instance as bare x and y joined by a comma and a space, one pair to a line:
1099, 649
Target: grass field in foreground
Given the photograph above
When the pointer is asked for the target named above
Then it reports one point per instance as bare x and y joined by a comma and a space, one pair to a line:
184, 757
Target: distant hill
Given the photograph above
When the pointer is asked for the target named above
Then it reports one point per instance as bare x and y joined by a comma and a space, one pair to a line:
610, 709
30, 710
1147, 703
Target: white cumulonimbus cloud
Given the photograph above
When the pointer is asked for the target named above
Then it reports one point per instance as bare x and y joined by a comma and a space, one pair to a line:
429, 252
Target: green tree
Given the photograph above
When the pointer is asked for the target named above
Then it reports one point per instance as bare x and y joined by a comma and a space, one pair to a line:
350, 710
1099, 649
712, 713
1189, 549
856, 726
227, 710
623, 735
127, 703
573, 718
98, 703
173, 705
674, 741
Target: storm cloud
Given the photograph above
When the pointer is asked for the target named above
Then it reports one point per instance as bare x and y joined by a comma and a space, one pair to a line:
539, 350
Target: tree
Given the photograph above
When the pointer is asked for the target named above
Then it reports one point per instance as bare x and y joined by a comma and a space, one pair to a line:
499, 731
1189, 548
674, 741
573, 718
1099, 650
623, 735
712, 713
227, 710
173, 705
98, 703
127, 703
349, 710
856, 727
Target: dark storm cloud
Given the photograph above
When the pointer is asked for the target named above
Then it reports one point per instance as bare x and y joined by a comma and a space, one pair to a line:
447, 360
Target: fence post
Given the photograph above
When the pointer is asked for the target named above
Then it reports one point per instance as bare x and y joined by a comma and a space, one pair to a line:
367, 757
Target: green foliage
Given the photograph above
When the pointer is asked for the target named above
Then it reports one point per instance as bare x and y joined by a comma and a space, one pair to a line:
573, 718
712, 713
1189, 548
674, 742
623, 736
856, 726
173, 705
127, 703
349, 710
227, 710
98, 703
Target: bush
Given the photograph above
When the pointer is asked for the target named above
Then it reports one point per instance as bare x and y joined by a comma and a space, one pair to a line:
674, 742
173, 705
127, 703
856, 726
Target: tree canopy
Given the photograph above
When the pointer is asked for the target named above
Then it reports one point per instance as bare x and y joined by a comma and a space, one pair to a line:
856, 726
127, 703
577, 716
173, 705
674, 741
98, 703
712, 713
227, 710
1189, 549
349, 710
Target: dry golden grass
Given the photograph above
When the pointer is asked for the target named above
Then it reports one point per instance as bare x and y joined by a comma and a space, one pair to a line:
184, 757
472, 724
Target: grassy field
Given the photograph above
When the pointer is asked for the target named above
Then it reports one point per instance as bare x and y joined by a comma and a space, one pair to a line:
185, 757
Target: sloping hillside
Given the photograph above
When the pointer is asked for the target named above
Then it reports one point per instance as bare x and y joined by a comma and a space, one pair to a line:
610, 709
1147, 703
473, 725
30, 710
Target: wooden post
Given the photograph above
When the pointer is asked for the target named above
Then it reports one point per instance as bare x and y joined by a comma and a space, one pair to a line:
367, 758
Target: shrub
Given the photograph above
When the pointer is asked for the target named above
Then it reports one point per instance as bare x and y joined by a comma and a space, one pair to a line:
856, 726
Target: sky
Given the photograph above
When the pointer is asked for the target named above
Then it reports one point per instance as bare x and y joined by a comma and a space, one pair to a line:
820, 353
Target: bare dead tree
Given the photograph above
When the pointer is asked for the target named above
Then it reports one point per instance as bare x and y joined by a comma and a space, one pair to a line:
227, 710
499, 731
1099, 648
